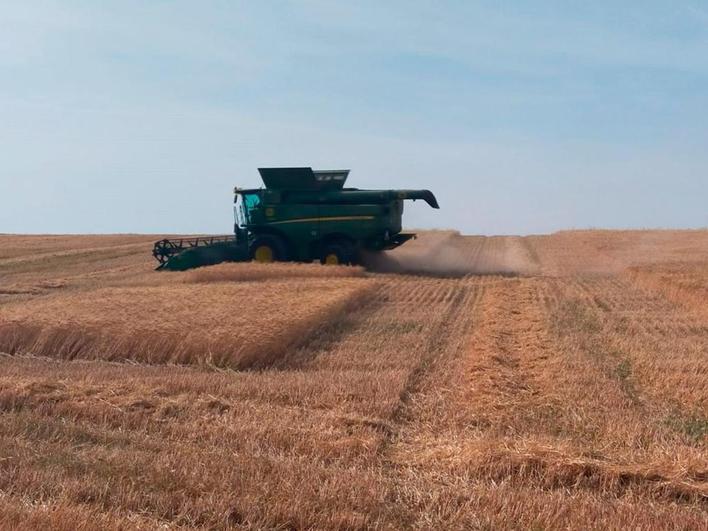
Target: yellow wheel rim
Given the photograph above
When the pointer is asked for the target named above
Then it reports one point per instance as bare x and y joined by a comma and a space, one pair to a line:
263, 254
331, 259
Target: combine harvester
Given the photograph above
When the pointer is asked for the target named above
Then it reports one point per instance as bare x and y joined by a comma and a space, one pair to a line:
301, 215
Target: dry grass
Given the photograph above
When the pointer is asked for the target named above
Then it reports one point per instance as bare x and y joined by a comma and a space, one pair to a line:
566, 397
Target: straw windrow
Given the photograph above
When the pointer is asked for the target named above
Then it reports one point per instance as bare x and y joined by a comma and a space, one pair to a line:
227, 325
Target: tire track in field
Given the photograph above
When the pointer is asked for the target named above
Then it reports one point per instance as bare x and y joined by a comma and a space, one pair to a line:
652, 363
655, 348
519, 409
443, 341
389, 341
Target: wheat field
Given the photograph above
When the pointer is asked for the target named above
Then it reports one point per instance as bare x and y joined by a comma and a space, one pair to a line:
461, 382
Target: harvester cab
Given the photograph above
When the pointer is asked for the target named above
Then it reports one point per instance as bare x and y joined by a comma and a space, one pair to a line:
301, 215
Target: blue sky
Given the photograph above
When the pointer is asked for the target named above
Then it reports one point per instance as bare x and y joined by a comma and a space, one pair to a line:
526, 117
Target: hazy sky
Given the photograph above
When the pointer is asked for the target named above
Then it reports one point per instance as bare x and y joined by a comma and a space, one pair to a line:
141, 116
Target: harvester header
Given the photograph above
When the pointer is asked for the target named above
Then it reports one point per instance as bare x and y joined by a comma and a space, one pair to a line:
301, 215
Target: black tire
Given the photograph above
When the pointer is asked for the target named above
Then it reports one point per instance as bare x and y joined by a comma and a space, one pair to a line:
267, 249
336, 254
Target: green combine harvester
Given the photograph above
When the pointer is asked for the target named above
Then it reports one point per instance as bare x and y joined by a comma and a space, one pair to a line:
301, 215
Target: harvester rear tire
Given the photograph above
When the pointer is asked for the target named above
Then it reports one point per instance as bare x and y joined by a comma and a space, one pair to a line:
267, 249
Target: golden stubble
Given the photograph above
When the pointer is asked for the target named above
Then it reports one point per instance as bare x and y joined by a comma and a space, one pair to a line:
541, 384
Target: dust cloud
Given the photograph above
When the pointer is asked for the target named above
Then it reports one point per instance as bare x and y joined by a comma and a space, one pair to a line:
449, 254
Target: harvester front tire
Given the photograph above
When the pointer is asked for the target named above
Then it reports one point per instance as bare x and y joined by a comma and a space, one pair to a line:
336, 254
267, 249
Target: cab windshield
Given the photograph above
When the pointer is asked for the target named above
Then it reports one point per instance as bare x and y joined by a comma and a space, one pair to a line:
245, 204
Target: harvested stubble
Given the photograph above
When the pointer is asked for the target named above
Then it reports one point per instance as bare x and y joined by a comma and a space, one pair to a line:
482, 402
16, 247
238, 326
684, 283
182, 446
243, 272
545, 426
611, 252
36, 265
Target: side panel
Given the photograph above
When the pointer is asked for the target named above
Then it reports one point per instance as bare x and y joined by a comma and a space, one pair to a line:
305, 226
298, 223
367, 225
357, 221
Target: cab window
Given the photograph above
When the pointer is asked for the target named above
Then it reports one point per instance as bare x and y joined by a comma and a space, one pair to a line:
245, 205
251, 201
